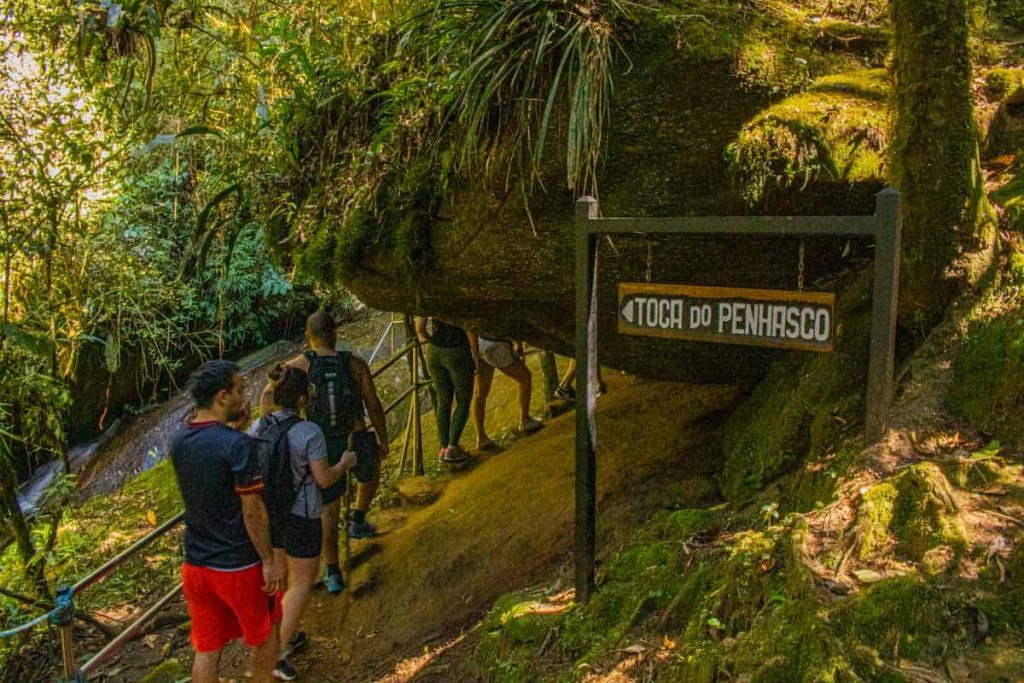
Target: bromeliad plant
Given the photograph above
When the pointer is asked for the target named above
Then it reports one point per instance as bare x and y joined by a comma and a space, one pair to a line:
512, 71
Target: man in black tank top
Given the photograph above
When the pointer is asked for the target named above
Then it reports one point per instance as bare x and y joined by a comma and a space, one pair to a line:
344, 389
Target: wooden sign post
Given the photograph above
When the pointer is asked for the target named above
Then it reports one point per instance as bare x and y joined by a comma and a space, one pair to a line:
755, 317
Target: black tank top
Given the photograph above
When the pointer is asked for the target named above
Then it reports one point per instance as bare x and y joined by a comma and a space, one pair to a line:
447, 336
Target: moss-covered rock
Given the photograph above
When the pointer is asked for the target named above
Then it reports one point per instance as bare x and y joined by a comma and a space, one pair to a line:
1001, 83
835, 132
512, 631
801, 408
988, 384
899, 617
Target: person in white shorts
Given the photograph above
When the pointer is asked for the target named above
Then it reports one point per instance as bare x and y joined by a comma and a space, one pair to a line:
499, 354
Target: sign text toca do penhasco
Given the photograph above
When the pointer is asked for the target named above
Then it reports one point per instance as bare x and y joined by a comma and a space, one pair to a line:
754, 317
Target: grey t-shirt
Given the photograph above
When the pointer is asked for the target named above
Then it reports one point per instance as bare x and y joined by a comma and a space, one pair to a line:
306, 443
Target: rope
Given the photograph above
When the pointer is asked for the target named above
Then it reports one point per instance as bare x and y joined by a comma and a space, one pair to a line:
60, 615
10, 633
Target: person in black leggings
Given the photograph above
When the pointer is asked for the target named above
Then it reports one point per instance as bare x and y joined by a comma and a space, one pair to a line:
451, 364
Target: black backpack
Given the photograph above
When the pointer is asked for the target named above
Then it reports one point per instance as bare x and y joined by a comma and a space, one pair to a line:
334, 403
279, 488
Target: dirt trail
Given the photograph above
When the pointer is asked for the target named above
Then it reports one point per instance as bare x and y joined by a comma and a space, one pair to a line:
506, 524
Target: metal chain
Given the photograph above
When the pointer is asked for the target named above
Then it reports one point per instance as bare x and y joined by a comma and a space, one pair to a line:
800, 269
647, 272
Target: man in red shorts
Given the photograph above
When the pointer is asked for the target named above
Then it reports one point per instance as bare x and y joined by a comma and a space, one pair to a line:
229, 578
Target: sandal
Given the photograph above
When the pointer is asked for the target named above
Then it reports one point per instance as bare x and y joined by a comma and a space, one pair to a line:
454, 454
487, 446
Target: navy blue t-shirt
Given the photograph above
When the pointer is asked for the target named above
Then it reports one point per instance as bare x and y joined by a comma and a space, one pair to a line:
215, 465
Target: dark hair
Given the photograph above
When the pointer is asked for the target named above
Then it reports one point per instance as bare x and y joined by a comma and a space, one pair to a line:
210, 378
320, 326
290, 385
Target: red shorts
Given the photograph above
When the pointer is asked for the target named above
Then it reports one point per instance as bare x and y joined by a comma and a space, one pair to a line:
225, 605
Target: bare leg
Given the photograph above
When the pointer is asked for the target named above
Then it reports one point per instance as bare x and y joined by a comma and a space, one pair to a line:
329, 522
264, 657
481, 389
364, 495
570, 375
301, 577
524, 378
205, 666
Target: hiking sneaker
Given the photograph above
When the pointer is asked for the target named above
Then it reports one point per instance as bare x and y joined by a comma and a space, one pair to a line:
565, 393
284, 671
530, 425
334, 584
361, 529
298, 641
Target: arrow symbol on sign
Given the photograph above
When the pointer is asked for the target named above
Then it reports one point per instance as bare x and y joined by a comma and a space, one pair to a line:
627, 310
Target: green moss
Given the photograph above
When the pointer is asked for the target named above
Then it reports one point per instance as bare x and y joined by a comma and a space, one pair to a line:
799, 409
1001, 83
778, 46
1014, 602
901, 616
988, 375
169, 671
924, 514
874, 517
791, 642
513, 629
834, 132
1011, 198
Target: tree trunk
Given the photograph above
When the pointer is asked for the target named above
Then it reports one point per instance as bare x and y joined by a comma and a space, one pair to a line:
11, 513
934, 155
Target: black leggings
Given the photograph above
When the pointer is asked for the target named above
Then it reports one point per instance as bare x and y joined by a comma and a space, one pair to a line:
451, 368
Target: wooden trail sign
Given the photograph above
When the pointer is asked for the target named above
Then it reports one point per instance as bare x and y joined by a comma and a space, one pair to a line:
751, 317
734, 316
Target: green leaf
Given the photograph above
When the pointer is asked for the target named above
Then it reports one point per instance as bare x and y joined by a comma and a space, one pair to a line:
987, 453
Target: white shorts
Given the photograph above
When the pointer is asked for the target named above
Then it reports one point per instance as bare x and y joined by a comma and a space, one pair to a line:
497, 353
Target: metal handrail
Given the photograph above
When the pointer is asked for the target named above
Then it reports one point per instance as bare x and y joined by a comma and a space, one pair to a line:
121, 558
80, 673
391, 326
394, 359
111, 648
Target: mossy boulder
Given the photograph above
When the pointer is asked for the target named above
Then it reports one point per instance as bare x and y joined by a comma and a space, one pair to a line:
834, 133
988, 374
801, 408
513, 629
899, 617
1002, 83
508, 269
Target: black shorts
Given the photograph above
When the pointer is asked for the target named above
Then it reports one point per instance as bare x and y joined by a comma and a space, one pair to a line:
299, 537
367, 462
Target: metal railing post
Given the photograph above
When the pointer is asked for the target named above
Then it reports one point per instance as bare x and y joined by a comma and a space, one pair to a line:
64, 619
417, 452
